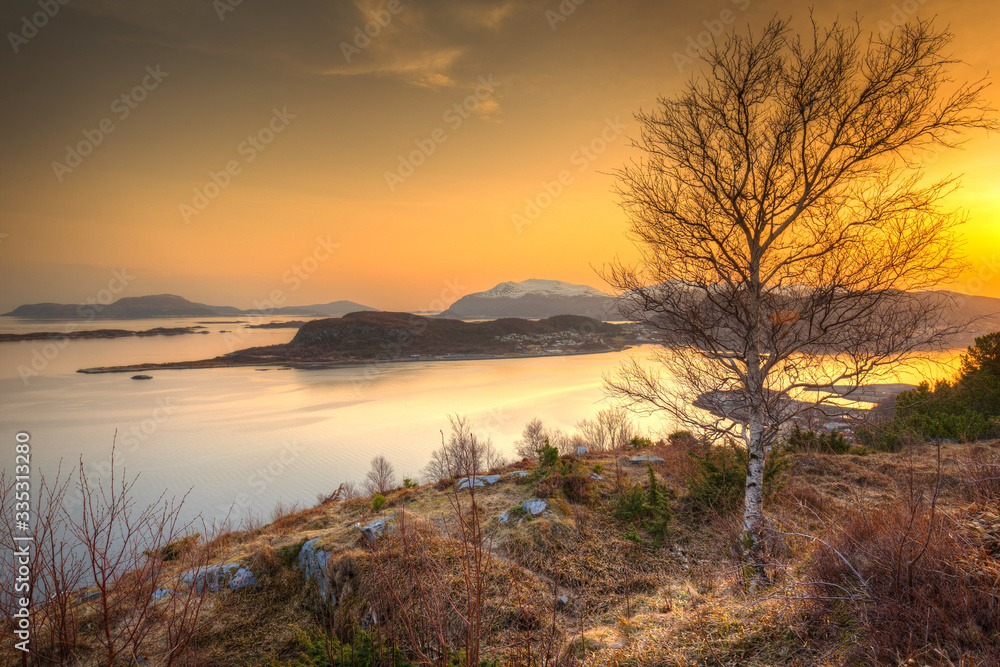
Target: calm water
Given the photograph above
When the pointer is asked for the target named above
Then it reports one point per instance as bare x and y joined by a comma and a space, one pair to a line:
247, 438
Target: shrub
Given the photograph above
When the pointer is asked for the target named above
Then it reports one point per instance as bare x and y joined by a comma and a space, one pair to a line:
641, 442
378, 501
800, 440
630, 504
981, 470
288, 553
961, 409
720, 474
548, 456
175, 550
409, 483
317, 649
549, 486
925, 583
650, 505
576, 488
683, 438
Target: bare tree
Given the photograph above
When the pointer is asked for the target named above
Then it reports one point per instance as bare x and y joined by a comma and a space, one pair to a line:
789, 238
463, 454
381, 478
611, 429
532, 438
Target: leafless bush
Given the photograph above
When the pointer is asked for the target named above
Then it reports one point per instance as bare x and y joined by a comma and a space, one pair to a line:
464, 453
345, 491
437, 589
912, 578
281, 510
381, 478
532, 438
982, 475
98, 560
610, 430
56, 575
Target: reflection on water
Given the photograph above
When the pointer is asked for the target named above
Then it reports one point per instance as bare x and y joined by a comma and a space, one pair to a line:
252, 437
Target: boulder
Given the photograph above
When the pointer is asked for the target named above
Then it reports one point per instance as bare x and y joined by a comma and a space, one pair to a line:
312, 561
518, 473
595, 476
142, 377
581, 450
503, 518
534, 506
377, 528
160, 593
213, 577
646, 458
477, 481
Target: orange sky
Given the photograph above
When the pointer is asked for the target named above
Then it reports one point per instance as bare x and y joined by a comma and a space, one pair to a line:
330, 121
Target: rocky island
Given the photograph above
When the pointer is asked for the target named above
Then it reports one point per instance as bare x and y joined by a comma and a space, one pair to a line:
380, 336
102, 333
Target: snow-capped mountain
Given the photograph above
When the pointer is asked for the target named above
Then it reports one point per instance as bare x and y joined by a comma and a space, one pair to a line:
533, 298
536, 286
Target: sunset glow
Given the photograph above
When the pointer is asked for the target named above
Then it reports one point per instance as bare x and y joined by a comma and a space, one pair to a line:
462, 145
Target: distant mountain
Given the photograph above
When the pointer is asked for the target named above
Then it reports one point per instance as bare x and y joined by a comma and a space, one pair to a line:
126, 308
332, 309
167, 306
533, 298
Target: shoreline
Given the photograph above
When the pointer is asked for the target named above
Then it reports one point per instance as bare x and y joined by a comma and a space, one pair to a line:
302, 364
105, 334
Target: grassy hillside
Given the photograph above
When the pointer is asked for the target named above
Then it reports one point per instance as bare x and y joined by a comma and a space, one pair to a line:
874, 559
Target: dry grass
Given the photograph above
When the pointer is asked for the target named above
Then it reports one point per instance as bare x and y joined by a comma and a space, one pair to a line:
682, 603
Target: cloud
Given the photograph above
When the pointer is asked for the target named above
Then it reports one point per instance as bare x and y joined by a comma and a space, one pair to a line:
422, 44
489, 16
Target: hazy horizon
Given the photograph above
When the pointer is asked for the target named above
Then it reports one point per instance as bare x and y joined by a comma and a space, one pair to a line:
268, 140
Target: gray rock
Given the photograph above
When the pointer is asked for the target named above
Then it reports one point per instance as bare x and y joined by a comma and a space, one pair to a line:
377, 528
518, 473
581, 450
312, 561
214, 577
90, 596
503, 518
562, 601
161, 593
477, 481
646, 458
243, 578
534, 506
599, 478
